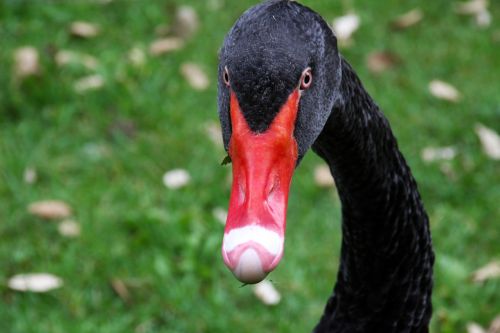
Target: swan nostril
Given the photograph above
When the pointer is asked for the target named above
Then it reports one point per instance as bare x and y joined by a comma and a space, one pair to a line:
273, 185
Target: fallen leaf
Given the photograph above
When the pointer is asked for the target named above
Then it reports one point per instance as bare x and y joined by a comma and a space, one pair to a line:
176, 178
266, 292
84, 29
490, 141
495, 325
431, 154
67, 57
91, 82
26, 62
35, 282
323, 176
50, 209
476, 8
448, 171
186, 22
214, 133
444, 91
165, 45
345, 26
472, 7
408, 19
215, 5
475, 328
30, 175
378, 62
69, 228
195, 76
488, 272
483, 19
220, 215
137, 56
95, 151
121, 289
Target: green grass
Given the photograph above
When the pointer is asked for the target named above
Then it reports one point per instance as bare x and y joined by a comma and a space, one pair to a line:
165, 244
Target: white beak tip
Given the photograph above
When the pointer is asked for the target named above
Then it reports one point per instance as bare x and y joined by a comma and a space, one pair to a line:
249, 269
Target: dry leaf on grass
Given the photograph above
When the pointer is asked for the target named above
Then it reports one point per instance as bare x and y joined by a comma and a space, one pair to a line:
472, 7
35, 282
95, 151
26, 61
444, 91
483, 19
323, 177
475, 328
186, 22
476, 8
165, 45
490, 141
69, 228
176, 178
214, 5
120, 288
488, 272
91, 82
30, 175
267, 293
66, 57
431, 154
220, 215
495, 325
137, 56
408, 19
84, 29
345, 26
378, 62
447, 169
195, 76
50, 209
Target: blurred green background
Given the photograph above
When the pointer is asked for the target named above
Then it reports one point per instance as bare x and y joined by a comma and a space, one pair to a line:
147, 258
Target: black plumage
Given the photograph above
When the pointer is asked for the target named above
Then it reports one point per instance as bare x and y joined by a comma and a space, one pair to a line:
384, 281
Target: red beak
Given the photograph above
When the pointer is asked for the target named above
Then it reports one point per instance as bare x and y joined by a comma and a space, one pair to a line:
263, 164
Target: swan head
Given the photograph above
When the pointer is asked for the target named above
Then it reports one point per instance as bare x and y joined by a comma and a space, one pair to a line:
279, 77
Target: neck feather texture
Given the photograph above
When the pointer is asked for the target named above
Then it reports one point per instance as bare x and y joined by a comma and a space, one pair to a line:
384, 281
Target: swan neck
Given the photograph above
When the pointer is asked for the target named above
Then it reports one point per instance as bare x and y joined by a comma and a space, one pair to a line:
385, 273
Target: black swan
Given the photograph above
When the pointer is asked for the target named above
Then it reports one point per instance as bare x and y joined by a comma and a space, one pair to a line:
283, 88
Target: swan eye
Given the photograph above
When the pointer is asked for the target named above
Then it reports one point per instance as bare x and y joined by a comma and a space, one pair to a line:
306, 79
226, 76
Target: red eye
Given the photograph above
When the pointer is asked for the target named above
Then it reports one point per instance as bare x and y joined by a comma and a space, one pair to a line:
306, 79
226, 76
